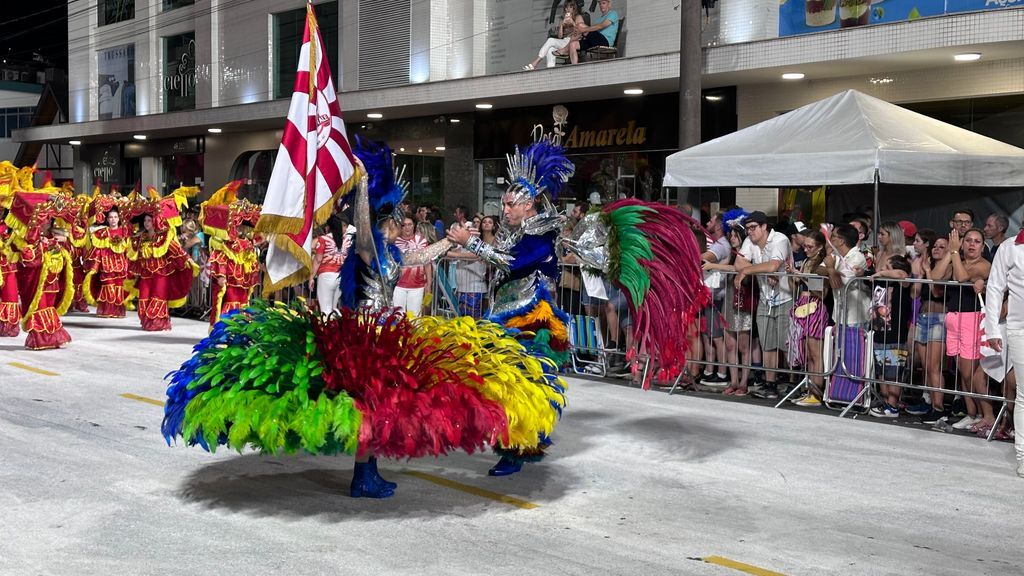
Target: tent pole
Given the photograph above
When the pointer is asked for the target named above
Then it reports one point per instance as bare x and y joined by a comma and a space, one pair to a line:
874, 226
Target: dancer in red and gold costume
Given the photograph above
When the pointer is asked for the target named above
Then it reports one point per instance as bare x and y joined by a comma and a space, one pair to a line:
163, 271
10, 308
234, 260
109, 258
44, 267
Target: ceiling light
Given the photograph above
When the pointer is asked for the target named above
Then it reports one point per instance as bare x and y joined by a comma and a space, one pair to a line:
455, 120
401, 149
439, 148
375, 115
633, 91
485, 106
420, 150
74, 142
214, 130
793, 76
714, 97
967, 57
139, 136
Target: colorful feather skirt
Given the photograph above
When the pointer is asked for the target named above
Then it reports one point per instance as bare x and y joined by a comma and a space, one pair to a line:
280, 378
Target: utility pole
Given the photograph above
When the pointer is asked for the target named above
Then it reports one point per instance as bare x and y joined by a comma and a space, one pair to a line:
690, 60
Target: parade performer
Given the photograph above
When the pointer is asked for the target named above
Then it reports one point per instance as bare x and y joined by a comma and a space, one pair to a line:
110, 256
234, 260
44, 268
78, 237
162, 270
10, 308
369, 381
527, 279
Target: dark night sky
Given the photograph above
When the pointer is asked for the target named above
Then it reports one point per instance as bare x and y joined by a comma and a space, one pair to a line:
36, 26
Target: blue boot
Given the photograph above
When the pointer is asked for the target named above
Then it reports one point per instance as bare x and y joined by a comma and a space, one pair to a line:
505, 467
365, 484
372, 463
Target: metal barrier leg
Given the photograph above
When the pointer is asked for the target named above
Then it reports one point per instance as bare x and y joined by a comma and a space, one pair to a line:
803, 384
863, 391
999, 418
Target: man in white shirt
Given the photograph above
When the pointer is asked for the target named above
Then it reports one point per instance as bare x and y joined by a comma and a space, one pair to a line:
1008, 275
766, 251
844, 264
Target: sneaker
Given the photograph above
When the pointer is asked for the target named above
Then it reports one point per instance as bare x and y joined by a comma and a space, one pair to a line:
593, 369
919, 409
809, 401
798, 399
885, 411
1020, 468
768, 392
933, 416
966, 422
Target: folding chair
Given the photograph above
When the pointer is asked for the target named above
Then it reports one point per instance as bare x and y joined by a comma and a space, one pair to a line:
585, 339
844, 390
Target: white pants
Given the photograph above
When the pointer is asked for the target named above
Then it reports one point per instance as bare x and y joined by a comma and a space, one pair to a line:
328, 291
1015, 348
409, 300
547, 51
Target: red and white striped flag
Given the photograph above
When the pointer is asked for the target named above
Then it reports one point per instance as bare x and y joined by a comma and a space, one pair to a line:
314, 166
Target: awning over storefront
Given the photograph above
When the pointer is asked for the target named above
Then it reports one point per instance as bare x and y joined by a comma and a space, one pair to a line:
848, 139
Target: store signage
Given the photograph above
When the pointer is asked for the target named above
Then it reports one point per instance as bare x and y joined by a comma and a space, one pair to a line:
629, 135
808, 16
106, 163
181, 78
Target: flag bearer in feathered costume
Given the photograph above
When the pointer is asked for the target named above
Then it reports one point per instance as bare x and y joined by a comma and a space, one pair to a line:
110, 255
44, 266
527, 279
368, 381
234, 260
163, 271
10, 308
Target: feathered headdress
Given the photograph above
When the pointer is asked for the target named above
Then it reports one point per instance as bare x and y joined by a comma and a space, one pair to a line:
165, 210
539, 168
223, 214
386, 186
734, 218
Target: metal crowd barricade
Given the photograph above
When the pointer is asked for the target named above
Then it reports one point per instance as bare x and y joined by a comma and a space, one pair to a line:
727, 315
851, 297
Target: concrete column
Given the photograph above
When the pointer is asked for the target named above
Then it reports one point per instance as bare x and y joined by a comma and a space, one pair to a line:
690, 60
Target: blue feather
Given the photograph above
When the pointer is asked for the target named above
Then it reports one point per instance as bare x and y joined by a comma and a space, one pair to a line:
552, 168
384, 192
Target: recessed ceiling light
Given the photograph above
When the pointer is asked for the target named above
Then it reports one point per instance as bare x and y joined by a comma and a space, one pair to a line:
74, 142
967, 57
375, 115
419, 150
485, 106
439, 148
714, 97
633, 91
139, 136
793, 76
455, 120
401, 149
214, 130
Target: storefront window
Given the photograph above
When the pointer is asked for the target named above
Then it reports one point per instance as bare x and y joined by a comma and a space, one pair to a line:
114, 11
172, 4
182, 170
288, 30
14, 118
425, 175
180, 72
116, 82
254, 168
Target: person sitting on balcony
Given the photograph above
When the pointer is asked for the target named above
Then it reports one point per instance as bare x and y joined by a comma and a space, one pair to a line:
602, 33
568, 28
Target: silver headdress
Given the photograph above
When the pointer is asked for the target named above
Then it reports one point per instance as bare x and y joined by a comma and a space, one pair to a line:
537, 169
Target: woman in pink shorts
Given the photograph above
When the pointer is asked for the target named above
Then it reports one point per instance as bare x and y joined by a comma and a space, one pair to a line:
964, 264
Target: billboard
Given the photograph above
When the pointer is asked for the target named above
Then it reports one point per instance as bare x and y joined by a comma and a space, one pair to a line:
116, 82
808, 16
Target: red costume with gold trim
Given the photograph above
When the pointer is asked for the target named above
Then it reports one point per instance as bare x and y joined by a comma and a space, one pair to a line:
109, 259
233, 256
10, 307
44, 268
163, 271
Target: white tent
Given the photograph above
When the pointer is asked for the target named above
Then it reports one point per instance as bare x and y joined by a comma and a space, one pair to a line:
849, 138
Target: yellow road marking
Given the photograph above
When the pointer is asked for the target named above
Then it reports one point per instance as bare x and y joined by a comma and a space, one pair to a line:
32, 369
748, 568
153, 401
472, 490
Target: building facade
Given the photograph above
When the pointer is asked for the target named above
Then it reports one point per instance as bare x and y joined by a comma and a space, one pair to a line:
413, 72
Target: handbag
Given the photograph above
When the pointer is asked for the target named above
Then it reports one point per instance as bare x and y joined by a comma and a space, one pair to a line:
805, 309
